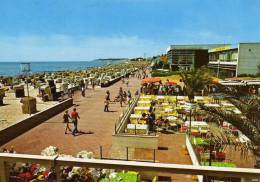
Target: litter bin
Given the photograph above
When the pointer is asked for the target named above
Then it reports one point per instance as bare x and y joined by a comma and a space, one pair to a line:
29, 105
19, 91
2, 94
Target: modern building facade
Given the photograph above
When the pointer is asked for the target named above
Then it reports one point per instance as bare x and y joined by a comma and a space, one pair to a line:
226, 60
189, 56
235, 60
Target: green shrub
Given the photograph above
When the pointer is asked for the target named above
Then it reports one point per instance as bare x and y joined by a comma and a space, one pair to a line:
246, 75
162, 74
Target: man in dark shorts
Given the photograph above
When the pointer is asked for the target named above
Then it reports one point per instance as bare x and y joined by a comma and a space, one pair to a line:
107, 100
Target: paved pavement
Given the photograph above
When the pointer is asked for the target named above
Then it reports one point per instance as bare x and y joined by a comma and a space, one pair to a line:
93, 119
171, 150
98, 127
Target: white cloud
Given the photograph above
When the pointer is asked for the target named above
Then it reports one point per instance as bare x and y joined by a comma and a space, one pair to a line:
63, 47
60, 47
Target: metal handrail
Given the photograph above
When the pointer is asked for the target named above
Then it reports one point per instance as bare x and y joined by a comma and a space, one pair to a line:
125, 113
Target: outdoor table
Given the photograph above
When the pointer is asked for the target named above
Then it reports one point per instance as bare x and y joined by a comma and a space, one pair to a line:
171, 118
144, 103
198, 98
236, 111
134, 118
172, 124
160, 97
168, 109
198, 126
212, 105
180, 97
169, 106
227, 105
137, 128
196, 123
181, 102
165, 104
171, 99
146, 97
140, 110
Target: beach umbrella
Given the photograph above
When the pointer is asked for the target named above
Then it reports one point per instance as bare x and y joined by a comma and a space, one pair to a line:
151, 80
170, 83
215, 81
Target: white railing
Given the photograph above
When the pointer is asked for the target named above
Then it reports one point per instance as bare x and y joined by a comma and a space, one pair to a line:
57, 161
193, 156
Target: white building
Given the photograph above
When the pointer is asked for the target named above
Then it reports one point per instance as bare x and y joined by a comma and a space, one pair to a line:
234, 60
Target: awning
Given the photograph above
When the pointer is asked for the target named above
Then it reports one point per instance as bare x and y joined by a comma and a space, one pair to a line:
170, 83
151, 80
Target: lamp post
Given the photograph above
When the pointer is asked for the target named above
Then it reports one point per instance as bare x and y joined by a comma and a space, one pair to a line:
26, 68
190, 122
210, 149
218, 68
191, 110
177, 93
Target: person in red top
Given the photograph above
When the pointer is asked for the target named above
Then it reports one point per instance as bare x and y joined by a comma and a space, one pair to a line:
75, 117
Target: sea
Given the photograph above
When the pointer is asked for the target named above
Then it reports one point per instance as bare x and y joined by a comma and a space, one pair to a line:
14, 68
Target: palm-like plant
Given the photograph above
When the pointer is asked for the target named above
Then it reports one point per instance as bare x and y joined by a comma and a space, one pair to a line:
195, 80
250, 107
244, 124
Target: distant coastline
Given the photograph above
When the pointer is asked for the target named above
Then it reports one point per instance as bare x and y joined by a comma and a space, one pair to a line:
13, 68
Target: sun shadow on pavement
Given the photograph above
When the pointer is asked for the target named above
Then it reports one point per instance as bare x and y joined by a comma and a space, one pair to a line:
83, 133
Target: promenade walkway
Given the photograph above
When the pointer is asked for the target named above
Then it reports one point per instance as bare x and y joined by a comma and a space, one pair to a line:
93, 119
98, 127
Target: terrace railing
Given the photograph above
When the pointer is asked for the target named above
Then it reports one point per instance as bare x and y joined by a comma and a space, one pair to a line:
56, 162
125, 115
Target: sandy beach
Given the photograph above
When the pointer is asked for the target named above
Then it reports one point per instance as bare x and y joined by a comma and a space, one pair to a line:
11, 111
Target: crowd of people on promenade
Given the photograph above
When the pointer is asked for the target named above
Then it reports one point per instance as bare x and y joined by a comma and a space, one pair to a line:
172, 88
163, 89
123, 96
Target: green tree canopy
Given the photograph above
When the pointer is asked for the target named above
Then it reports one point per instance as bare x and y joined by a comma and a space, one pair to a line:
195, 80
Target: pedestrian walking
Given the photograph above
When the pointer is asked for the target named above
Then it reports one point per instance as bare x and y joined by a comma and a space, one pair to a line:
107, 100
127, 82
66, 118
136, 93
151, 122
93, 84
75, 117
129, 95
121, 96
82, 86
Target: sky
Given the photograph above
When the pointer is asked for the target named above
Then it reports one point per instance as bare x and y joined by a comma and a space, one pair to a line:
82, 30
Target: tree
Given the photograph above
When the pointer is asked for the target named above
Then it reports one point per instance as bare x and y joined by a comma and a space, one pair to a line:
195, 80
244, 124
247, 123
